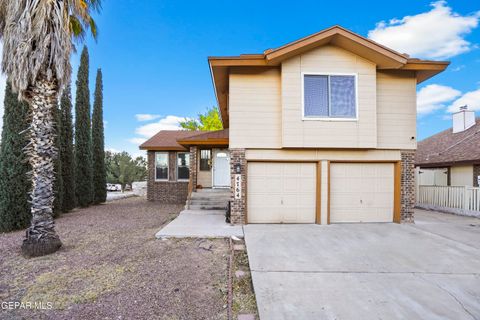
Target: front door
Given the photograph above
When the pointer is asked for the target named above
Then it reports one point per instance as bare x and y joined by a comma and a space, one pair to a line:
221, 168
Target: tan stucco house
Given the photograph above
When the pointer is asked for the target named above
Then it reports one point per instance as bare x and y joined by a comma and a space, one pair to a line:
321, 130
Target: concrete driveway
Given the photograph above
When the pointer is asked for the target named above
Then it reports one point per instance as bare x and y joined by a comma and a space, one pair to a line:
430, 270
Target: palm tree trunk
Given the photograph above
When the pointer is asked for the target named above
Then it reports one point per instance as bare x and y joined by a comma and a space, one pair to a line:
41, 238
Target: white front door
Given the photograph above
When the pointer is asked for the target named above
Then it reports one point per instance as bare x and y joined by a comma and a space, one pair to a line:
221, 168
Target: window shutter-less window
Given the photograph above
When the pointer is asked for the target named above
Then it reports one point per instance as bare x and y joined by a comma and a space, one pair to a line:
329, 96
342, 91
161, 166
316, 96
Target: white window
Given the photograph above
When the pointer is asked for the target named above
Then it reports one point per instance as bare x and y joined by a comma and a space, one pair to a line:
161, 165
183, 166
329, 96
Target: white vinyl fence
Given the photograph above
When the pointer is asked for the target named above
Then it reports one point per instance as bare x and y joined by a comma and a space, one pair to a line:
456, 199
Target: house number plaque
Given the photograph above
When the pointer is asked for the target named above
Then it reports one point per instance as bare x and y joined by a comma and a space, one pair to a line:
238, 186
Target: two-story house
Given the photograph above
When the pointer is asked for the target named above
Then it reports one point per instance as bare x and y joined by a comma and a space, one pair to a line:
321, 130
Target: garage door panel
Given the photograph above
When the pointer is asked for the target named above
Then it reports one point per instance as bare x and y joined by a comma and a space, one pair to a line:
281, 192
361, 192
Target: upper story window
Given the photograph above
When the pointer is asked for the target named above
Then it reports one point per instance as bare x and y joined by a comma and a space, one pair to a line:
329, 96
183, 166
161, 166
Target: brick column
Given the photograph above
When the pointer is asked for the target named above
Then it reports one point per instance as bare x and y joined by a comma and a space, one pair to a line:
408, 185
193, 167
476, 173
151, 175
238, 208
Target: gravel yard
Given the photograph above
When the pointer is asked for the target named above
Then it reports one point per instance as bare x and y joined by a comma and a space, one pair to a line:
112, 267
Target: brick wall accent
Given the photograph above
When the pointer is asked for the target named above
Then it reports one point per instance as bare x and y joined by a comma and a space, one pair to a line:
476, 173
193, 167
408, 185
165, 191
238, 206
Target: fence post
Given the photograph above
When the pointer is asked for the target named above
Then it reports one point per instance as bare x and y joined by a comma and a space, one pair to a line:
466, 198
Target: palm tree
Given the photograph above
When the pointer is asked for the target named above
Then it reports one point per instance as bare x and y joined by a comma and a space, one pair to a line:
37, 40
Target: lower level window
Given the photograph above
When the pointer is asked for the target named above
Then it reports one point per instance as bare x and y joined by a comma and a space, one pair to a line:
161, 166
183, 166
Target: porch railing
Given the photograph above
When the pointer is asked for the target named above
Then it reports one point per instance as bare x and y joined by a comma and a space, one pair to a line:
456, 199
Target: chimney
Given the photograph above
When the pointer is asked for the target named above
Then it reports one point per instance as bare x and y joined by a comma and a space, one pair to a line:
463, 120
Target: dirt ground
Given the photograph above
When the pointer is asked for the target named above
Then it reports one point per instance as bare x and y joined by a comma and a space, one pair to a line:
112, 267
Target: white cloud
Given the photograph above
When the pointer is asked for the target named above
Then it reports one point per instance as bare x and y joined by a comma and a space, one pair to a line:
167, 123
434, 97
137, 140
146, 131
436, 34
471, 99
146, 116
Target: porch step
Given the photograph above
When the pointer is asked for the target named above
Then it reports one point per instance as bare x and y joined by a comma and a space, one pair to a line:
209, 199
214, 190
205, 202
207, 207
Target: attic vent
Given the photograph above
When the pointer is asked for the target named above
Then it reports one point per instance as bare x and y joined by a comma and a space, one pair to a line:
463, 120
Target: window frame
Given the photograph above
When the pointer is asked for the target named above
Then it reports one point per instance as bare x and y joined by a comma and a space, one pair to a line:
346, 119
176, 165
168, 165
209, 160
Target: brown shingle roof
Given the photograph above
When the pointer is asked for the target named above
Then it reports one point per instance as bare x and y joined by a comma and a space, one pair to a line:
167, 140
446, 148
206, 137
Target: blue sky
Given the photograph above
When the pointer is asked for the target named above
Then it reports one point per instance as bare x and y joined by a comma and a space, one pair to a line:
154, 53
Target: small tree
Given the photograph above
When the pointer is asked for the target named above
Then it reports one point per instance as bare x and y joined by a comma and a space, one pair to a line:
98, 145
83, 135
15, 185
208, 121
124, 170
66, 151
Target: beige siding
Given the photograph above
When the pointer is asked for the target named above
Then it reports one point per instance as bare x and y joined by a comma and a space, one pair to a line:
255, 109
317, 155
461, 175
297, 132
396, 110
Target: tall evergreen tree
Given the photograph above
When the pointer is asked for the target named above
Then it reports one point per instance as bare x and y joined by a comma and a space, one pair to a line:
66, 151
98, 145
57, 165
15, 184
83, 135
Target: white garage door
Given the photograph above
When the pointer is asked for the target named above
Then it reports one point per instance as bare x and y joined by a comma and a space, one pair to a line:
281, 192
361, 192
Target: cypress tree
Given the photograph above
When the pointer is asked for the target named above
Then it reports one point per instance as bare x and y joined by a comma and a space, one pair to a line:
58, 183
83, 135
66, 151
98, 145
15, 183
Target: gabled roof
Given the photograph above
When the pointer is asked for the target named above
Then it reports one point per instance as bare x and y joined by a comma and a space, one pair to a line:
167, 140
447, 148
385, 59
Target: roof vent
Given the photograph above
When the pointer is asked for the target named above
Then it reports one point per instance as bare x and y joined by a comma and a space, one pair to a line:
463, 120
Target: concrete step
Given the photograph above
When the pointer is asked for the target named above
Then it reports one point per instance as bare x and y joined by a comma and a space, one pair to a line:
217, 190
209, 196
207, 207
210, 201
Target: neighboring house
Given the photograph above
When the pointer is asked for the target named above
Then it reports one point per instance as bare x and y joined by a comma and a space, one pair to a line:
321, 130
451, 157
